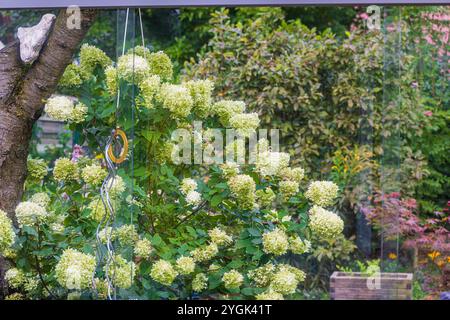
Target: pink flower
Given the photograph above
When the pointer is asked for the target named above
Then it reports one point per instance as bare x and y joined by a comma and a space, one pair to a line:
65, 196
77, 152
429, 39
364, 16
445, 38
411, 203
394, 195
390, 27
428, 113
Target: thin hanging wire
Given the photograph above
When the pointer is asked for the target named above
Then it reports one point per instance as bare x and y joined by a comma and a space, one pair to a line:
109, 219
132, 119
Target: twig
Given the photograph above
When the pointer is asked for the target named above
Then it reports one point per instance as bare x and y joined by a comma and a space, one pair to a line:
38, 268
191, 214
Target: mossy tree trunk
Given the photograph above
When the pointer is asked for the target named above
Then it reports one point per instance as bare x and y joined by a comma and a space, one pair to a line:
23, 90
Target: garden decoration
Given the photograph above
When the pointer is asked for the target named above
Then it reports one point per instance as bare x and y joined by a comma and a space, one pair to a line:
124, 150
108, 221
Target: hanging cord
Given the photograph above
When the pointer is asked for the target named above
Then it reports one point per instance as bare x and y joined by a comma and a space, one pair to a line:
109, 219
111, 161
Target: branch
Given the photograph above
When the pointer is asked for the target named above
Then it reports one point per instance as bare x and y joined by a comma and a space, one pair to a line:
201, 206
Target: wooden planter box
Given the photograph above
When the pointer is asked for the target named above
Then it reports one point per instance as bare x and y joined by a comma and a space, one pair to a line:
359, 286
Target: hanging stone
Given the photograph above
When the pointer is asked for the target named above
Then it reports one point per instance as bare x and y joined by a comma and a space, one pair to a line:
32, 39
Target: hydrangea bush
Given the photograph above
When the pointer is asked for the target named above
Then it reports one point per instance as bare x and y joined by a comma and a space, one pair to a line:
209, 230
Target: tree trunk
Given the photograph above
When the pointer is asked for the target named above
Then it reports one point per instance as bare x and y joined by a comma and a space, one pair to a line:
23, 90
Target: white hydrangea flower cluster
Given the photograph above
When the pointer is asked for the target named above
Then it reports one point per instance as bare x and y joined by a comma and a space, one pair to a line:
163, 272
292, 174
143, 248
102, 288
194, 198
200, 282
201, 91
7, 234
235, 150
75, 269
272, 216
116, 187
243, 188
79, 113
90, 57
15, 278
205, 253
220, 237
262, 276
265, 197
105, 233
299, 246
188, 189
176, 99
59, 108
127, 234
232, 279
325, 224
10, 253
269, 295
188, 185
322, 193
31, 283
160, 65
245, 124
149, 88
123, 272
98, 210
29, 213
15, 296
57, 227
111, 80
185, 265
229, 170
132, 68
288, 188
41, 198
270, 163
94, 174
300, 275
65, 170
140, 51
36, 169
225, 109
72, 76
284, 282
275, 242
64, 108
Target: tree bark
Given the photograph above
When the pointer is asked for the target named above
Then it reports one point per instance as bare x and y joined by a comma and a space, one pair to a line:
23, 90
